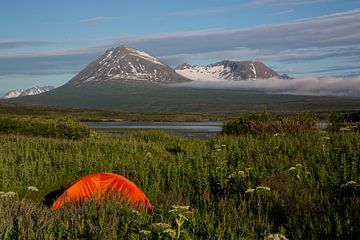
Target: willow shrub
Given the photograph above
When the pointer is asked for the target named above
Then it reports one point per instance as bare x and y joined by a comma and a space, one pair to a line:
262, 123
63, 128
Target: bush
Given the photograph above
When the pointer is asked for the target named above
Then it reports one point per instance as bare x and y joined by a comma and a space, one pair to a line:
344, 122
63, 128
261, 123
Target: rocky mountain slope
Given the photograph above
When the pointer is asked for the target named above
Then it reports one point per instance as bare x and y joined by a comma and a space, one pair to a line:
227, 70
126, 64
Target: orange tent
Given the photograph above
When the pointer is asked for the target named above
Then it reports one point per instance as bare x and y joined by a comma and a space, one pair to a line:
100, 186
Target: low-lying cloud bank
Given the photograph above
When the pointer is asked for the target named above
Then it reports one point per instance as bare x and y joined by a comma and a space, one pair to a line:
325, 86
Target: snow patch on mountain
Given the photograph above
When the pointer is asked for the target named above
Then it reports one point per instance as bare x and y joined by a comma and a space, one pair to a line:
144, 55
27, 92
227, 70
205, 73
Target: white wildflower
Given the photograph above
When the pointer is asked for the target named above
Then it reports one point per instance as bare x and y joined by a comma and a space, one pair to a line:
276, 134
7, 194
232, 175
180, 207
292, 169
11, 194
161, 225
145, 232
250, 190
33, 188
135, 212
276, 236
350, 183
170, 232
263, 188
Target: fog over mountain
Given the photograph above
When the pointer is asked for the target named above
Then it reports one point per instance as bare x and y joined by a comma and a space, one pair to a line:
324, 86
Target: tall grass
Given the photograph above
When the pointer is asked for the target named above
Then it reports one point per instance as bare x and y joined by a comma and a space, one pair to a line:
303, 185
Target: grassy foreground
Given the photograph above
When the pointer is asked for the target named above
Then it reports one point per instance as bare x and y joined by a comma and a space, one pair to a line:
303, 186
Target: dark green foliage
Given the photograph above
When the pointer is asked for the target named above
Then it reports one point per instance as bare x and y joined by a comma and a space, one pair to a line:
344, 122
64, 128
337, 121
262, 123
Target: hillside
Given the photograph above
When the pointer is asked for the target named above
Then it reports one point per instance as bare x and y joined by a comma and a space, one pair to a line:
135, 97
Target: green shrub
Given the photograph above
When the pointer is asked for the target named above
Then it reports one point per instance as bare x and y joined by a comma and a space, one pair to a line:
63, 128
337, 121
258, 124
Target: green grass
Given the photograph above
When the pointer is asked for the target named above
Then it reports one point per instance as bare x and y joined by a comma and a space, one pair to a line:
21, 110
83, 114
313, 178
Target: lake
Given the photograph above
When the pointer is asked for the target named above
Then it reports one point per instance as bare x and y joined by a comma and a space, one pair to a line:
188, 129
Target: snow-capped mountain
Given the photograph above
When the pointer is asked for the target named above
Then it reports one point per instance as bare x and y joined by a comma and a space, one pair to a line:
13, 94
126, 64
227, 70
27, 92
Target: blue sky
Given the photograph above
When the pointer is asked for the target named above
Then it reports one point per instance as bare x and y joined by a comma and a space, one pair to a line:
46, 42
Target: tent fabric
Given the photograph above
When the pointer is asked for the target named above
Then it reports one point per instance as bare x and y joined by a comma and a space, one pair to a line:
101, 186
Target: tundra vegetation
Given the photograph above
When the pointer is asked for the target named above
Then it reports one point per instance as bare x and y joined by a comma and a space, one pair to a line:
261, 178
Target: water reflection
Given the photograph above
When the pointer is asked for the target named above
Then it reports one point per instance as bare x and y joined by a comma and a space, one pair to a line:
188, 129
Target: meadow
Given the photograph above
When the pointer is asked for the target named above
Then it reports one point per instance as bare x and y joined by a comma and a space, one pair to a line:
299, 185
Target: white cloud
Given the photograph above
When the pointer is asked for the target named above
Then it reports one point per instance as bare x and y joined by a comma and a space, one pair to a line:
326, 86
10, 44
281, 12
100, 19
209, 11
243, 6
289, 2
333, 36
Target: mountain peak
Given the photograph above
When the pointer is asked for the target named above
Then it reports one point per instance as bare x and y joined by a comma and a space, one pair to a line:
183, 66
127, 64
27, 92
228, 70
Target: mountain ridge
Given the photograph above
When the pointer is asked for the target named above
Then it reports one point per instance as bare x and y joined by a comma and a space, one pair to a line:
27, 92
227, 70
